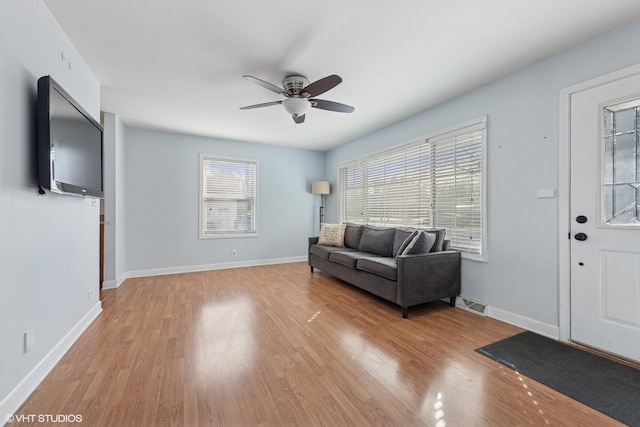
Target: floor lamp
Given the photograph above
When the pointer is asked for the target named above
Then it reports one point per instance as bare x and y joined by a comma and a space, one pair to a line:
322, 188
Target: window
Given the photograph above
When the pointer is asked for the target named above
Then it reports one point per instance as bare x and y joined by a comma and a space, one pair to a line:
227, 197
437, 182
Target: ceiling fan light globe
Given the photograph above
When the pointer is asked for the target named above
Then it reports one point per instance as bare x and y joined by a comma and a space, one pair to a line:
296, 106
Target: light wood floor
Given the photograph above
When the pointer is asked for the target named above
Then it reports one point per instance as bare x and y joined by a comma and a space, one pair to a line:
279, 346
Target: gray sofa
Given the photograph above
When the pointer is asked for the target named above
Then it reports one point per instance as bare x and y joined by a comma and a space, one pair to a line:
379, 260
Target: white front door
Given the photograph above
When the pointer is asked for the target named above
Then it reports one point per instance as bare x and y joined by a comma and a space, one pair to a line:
605, 217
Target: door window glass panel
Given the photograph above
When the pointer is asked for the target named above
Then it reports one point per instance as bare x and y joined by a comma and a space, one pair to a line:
621, 164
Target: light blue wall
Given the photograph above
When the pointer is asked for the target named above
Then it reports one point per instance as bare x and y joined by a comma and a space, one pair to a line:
48, 244
162, 187
521, 275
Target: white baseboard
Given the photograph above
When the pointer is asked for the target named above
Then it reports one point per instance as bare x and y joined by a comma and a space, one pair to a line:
206, 267
113, 284
532, 325
12, 402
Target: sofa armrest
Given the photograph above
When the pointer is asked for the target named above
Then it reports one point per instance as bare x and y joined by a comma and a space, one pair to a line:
312, 241
428, 277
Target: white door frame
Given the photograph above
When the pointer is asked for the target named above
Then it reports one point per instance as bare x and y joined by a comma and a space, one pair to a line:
564, 193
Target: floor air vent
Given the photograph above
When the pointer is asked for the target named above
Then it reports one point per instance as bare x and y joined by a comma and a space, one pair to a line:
470, 305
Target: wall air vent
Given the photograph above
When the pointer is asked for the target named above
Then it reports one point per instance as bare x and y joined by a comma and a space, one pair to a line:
472, 306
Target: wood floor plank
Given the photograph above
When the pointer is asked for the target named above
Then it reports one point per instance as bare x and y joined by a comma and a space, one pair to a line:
277, 345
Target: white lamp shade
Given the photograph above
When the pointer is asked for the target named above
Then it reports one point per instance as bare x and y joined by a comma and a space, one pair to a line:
296, 106
320, 187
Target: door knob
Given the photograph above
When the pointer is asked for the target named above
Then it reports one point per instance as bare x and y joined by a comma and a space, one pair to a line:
580, 236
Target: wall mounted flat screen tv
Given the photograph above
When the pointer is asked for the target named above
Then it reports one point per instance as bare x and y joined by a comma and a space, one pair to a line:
70, 144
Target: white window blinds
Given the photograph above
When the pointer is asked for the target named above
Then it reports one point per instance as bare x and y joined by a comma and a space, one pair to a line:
228, 197
436, 182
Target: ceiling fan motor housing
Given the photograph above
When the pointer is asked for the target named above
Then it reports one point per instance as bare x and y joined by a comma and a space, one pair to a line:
294, 85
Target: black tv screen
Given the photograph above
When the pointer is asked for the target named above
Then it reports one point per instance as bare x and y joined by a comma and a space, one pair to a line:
70, 144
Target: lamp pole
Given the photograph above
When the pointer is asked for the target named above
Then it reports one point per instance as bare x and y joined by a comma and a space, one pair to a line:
321, 188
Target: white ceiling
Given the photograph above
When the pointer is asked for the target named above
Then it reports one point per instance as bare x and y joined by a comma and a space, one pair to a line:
178, 65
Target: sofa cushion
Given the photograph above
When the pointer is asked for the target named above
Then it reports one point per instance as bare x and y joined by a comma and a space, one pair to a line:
421, 243
352, 235
402, 239
331, 234
323, 251
377, 241
380, 266
347, 258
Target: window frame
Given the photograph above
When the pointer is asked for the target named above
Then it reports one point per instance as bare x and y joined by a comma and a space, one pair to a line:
226, 234
443, 134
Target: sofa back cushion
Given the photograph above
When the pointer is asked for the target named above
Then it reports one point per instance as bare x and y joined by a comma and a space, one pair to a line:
377, 240
352, 235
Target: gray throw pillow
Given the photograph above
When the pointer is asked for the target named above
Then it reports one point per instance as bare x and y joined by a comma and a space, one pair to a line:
406, 242
421, 243
401, 236
439, 234
377, 241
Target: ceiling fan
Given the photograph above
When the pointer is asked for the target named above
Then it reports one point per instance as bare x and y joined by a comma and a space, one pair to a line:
300, 95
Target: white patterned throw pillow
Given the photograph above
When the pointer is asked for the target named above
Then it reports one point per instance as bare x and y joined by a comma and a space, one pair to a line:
332, 234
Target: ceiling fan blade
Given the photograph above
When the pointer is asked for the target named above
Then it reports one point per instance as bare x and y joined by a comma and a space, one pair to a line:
321, 86
264, 104
265, 85
298, 119
331, 106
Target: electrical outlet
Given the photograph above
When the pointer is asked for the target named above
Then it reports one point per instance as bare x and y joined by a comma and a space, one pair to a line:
29, 341
233, 252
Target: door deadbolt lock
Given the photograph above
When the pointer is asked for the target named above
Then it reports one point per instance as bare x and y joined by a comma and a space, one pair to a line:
581, 219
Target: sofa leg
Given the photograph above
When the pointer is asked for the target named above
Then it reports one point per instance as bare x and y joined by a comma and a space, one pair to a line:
452, 301
405, 312
311, 268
